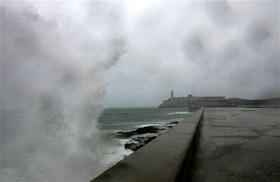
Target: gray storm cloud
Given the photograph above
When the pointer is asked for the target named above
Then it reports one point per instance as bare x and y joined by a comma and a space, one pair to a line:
220, 12
228, 48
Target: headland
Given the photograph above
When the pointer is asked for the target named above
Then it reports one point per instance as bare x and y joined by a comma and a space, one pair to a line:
195, 102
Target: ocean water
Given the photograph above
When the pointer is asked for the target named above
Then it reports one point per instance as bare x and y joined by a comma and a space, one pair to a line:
112, 120
125, 119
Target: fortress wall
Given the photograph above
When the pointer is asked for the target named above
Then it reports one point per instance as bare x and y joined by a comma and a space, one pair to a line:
196, 102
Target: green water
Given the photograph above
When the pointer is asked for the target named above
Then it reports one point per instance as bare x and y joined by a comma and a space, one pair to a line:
131, 118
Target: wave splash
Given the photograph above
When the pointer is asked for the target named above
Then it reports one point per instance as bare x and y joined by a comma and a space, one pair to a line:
52, 76
178, 113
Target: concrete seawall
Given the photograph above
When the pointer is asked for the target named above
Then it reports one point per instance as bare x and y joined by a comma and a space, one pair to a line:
166, 158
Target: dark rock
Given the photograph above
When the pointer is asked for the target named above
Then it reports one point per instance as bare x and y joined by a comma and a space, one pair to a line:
173, 122
144, 135
139, 131
147, 129
138, 142
133, 146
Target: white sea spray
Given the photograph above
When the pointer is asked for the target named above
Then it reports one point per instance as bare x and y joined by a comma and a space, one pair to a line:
53, 67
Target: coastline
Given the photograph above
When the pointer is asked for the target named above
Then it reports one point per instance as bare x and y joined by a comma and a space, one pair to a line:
164, 155
141, 136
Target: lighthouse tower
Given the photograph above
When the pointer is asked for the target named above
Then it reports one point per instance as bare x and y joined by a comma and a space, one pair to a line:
172, 94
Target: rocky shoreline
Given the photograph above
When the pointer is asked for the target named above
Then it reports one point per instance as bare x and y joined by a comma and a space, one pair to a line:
141, 136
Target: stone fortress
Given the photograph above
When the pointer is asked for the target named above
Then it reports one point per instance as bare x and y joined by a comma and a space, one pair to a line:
194, 102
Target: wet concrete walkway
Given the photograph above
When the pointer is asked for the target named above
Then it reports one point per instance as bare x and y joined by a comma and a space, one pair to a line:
238, 145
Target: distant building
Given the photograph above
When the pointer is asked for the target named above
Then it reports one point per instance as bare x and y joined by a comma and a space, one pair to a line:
195, 101
192, 101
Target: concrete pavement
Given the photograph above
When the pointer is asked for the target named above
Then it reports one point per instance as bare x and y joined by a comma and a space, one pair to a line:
238, 145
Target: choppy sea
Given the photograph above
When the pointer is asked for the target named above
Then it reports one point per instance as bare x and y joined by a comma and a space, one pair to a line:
113, 120
124, 119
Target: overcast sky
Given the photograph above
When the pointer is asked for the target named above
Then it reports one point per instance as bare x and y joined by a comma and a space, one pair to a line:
146, 48
203, 48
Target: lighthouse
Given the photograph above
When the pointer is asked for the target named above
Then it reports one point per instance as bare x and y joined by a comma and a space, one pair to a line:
172, 94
